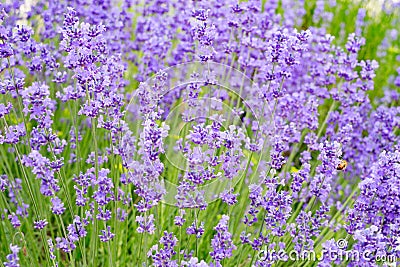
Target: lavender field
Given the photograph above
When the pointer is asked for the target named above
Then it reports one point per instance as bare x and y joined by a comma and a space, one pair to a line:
199, 133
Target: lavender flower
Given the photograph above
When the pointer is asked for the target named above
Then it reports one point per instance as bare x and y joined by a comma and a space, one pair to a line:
40, 224
3, 182
304, 106
222, 243
163, 256
65, 244
146, 224
57, 206
228, 197
13, 258
51, 249
106, 235
14, 220
193, 229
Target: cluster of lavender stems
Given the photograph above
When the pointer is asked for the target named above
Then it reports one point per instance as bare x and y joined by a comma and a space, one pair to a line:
195, 133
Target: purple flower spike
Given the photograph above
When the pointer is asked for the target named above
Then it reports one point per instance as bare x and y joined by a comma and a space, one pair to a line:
57, 206
222, 243
41, 224
106, 235
12, 259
